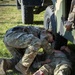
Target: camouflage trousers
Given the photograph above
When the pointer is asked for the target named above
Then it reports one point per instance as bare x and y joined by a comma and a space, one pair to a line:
49, 70
59, 65
24, 47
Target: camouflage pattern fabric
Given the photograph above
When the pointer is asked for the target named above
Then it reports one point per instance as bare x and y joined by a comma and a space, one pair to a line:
59, 65
72, 5
71, 16
24, 42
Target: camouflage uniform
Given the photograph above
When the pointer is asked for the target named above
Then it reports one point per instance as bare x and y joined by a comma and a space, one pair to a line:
71, 16
24, 42
59, 65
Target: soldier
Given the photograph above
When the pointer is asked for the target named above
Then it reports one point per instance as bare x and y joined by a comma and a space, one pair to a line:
71, 17
56, 64
23, 42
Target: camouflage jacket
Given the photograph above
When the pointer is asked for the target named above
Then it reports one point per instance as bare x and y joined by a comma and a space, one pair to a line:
40, 33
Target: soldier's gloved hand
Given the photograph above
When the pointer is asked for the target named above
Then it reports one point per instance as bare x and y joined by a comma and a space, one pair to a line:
68, 26
62, 48
46, 61
66, 49
39, 72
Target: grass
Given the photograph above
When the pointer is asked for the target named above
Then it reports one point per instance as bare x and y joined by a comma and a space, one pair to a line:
3, 2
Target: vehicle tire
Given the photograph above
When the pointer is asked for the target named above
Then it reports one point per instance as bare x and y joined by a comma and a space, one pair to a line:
27, 14
18, 5
49, 21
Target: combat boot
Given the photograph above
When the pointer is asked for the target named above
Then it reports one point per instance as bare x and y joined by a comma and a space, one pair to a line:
4, 66
21, 68
2, 71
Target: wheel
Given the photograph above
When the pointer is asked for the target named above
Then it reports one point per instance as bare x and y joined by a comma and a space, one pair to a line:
27, 14
18, 4
49, 20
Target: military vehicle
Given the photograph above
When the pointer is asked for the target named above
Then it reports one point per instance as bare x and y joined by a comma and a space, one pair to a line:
31, 7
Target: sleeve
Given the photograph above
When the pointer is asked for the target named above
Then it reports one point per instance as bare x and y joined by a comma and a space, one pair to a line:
71, 17
72, 5
72, 12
